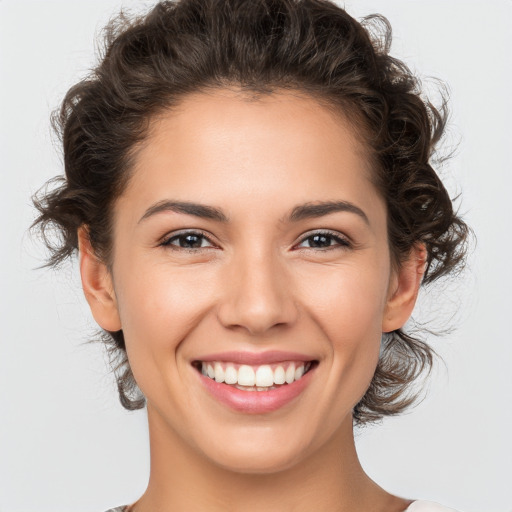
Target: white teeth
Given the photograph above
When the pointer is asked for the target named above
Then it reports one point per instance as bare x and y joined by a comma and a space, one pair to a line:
290, 374
246, 376
279, 375
264, 376
219, 372
231, 375
250, 378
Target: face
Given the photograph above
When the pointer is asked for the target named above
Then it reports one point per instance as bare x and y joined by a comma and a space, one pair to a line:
251, 245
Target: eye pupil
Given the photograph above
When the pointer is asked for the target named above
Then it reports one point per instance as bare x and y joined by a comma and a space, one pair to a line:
320, 241
190, 241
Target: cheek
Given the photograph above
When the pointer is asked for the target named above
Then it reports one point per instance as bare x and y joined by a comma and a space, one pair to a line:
348, 306
158, 309
349, 300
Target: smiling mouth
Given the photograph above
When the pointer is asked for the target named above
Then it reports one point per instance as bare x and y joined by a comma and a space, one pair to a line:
263, 377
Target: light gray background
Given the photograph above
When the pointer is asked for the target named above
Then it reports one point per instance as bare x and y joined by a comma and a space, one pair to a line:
65, 442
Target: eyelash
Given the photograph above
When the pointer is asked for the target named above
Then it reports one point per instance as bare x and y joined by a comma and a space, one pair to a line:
167, 241
341, 241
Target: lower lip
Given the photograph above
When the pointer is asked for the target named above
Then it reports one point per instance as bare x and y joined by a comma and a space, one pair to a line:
256, 402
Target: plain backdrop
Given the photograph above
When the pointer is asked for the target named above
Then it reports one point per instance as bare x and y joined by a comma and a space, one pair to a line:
65, 442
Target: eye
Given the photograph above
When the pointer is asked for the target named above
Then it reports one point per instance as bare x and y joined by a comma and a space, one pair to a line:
190, 240
324, 240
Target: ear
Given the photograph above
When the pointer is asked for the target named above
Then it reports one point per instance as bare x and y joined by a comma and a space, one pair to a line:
97, 285
403, 290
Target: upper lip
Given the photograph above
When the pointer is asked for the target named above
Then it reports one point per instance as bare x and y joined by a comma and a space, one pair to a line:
256, 358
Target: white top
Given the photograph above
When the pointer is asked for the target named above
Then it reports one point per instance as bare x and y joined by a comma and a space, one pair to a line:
417, 506
427, 506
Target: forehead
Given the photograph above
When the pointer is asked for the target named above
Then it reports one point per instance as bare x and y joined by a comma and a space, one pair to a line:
212, 117
273, 147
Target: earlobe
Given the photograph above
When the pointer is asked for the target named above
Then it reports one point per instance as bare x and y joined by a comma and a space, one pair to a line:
97, 285
404, 288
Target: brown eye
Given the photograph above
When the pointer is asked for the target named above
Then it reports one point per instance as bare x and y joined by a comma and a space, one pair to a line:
188, 240
323, 240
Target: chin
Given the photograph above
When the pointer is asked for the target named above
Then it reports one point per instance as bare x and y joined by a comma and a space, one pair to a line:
256, 461
263, 450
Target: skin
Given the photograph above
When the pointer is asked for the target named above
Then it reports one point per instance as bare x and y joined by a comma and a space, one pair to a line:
256, 283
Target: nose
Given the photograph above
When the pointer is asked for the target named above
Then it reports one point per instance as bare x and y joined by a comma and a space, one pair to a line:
258, 295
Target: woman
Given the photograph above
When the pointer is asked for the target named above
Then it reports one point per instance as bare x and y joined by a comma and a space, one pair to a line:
249, 189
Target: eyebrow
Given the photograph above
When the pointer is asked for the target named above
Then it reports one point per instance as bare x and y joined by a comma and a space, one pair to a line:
196, 209
321, 208
300, 212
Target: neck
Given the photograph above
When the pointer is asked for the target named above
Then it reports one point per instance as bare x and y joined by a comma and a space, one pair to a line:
332, 479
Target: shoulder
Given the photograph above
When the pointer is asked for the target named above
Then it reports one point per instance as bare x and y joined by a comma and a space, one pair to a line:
428, 506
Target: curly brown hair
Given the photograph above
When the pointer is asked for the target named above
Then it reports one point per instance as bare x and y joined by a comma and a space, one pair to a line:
151, 62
